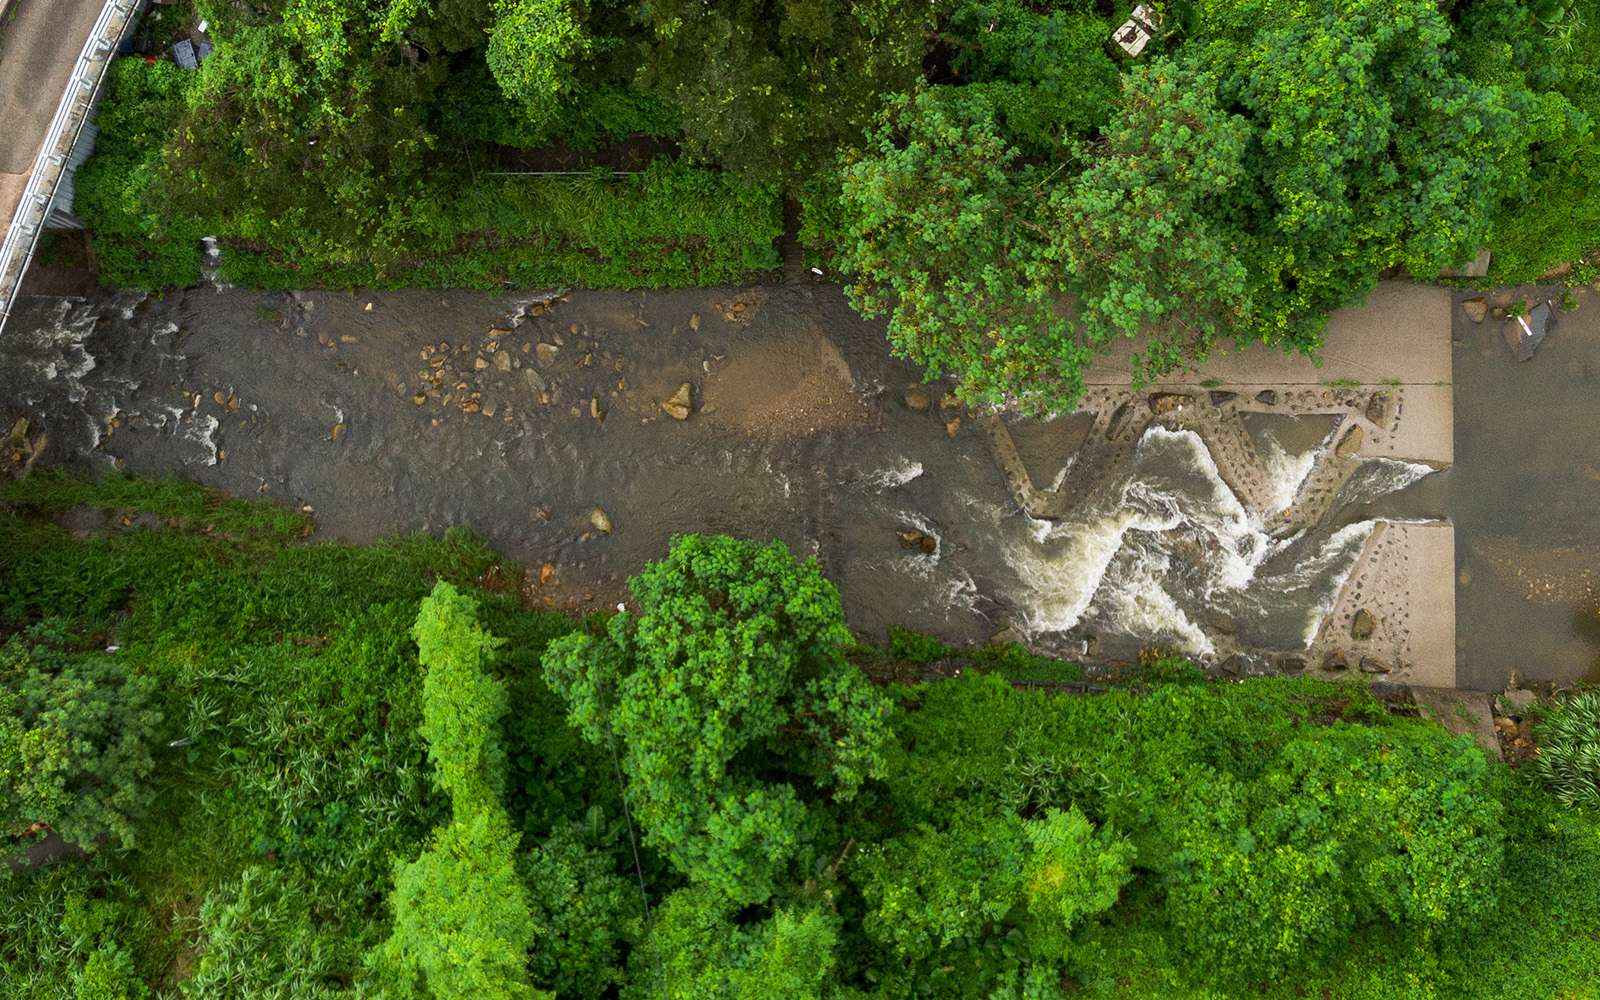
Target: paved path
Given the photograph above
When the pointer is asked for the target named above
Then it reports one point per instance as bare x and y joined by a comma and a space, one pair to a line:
39, 45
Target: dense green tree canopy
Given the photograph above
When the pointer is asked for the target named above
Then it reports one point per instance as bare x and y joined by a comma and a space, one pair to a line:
768, 89
736, 655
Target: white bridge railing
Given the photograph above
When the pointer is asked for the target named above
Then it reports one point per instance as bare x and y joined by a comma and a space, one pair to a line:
77, 101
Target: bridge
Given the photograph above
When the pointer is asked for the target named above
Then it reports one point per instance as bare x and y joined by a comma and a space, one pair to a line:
53, 60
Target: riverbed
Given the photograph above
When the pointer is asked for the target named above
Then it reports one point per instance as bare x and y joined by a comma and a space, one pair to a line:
537, 420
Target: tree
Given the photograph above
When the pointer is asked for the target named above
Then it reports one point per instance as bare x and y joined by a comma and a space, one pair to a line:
530, 46
732, 670
1346, 828
968, 880
769, 90
1146, 235
944, 232
462, 920
461, 703
1072, 872
461, 916
696, 951
975, 256
1370, 150
76, 735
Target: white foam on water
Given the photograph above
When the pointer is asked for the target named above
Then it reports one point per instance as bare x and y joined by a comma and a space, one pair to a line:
1379, 477
903, 471
1169, 534
203, 432
1345, 546
1286, 473
1141, 606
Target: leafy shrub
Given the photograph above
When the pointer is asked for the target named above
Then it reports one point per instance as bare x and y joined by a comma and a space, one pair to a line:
258, 938
1569, 750
135, 243
76, 736
68, 932
672, 225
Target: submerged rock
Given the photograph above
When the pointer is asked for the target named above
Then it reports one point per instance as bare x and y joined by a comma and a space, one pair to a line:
681, 403
918, 541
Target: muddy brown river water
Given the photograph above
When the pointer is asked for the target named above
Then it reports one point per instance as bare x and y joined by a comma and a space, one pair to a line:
422, 410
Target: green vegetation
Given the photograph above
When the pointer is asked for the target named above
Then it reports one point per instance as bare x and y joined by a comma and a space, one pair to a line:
1569, 750
372, 772
996, 178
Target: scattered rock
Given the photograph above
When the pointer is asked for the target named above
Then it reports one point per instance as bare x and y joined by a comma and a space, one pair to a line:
694, 322
917, 399
545, 354
1267, 397
369, 307
1475, 309
1363, 625
218, 398
480, 362
1524, 334
681, 403
1350, 443
918, 541
600, 520
1374, 665
419, 398
1165, 402
1009, 634
1335, 661
1292, 664
1221, 397
1378, 408
1517, 701
1236, 665
502, 360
